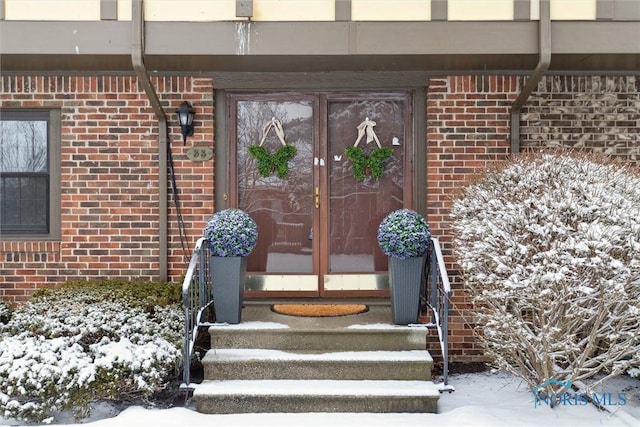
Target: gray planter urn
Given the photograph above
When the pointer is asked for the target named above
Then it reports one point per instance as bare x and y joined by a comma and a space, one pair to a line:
228, 278
405, 279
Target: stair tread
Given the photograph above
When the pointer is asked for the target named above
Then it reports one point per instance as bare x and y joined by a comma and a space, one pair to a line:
353, 388
253, 326
345, 356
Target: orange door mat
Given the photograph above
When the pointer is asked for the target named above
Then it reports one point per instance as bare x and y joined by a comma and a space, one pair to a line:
319, 310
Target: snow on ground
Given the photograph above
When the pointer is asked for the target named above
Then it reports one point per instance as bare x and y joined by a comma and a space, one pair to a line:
481, 399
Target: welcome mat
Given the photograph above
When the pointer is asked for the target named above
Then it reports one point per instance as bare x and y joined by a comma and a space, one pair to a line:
319, 310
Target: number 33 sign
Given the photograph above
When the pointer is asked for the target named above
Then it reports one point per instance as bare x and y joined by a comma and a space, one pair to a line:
200, 154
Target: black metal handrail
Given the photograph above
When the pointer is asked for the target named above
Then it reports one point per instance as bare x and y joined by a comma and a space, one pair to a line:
438, 295
197, 296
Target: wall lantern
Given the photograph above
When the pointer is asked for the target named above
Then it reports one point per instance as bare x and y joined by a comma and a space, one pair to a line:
185, 118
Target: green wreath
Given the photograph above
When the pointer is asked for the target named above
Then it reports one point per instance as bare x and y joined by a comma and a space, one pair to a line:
374, 162
278, 162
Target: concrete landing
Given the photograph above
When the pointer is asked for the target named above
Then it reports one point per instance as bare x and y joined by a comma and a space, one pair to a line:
370, 331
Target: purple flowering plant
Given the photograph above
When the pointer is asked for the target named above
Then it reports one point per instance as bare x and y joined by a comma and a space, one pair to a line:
231, 232
403, 234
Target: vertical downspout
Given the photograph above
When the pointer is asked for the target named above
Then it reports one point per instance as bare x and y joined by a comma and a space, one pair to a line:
544, 34
137, 49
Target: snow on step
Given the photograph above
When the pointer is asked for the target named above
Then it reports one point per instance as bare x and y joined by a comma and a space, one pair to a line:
318, 388
267, 364
356, 356
247, 326
290, 396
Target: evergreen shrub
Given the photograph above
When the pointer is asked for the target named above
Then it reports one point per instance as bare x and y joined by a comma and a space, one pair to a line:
82, 342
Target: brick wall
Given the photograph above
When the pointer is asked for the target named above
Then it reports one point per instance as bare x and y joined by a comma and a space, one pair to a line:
593, 113
109, 179
467, 131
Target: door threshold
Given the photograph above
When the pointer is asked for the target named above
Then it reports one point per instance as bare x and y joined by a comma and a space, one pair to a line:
366, 301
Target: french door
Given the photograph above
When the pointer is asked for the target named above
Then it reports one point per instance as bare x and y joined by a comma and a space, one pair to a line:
317, 219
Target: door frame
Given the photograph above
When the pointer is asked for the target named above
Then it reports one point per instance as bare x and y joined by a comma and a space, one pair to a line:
415, 191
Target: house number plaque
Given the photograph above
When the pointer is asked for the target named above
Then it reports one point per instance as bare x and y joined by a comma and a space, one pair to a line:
199, 154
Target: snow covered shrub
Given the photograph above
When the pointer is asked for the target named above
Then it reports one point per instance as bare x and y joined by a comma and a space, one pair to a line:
5, 312
549, 248
143, 294
72, 345
39, 375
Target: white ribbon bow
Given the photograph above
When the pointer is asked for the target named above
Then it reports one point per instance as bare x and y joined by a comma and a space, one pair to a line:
366, 127
275, 125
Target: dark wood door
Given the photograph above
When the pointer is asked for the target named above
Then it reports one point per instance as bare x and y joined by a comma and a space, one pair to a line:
318, 222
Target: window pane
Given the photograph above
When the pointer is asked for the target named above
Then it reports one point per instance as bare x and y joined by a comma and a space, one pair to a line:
24, 146
357, 207
24, 204
10, 201
282, 207
24, 172
42, 203
27, 201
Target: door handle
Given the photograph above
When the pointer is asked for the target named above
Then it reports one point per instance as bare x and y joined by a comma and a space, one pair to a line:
317, 197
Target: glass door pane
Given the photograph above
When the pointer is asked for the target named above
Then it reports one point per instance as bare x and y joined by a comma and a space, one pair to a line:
356, 207
282, 207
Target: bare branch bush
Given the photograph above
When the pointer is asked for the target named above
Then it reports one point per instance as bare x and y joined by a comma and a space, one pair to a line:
549, 247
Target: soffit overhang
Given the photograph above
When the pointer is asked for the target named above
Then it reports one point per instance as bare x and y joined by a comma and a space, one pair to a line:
432, 47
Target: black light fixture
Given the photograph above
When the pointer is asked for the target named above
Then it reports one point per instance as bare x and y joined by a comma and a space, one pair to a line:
185, 118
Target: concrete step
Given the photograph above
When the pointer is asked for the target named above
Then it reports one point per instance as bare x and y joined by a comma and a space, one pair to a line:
372, 337
227, 397
275, 363
259, 364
